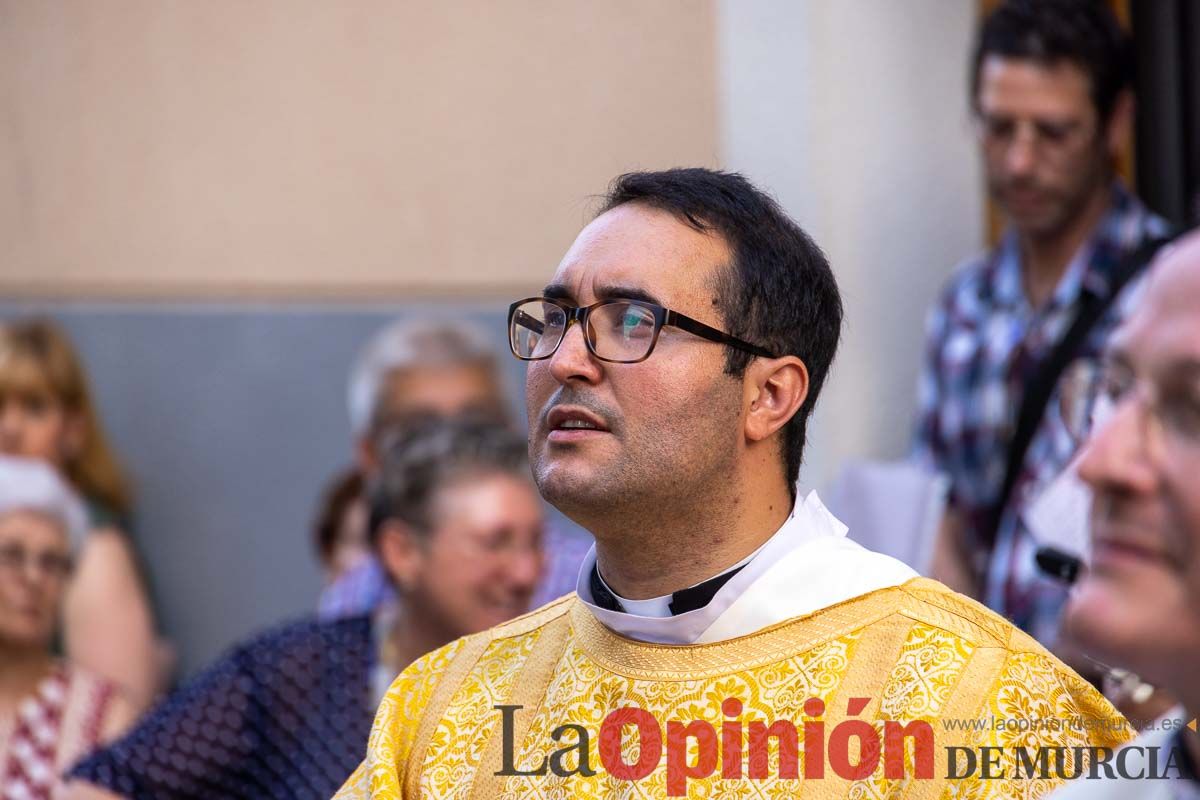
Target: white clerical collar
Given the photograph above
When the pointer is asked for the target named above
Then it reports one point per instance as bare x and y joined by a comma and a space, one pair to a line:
661, 606
809, 522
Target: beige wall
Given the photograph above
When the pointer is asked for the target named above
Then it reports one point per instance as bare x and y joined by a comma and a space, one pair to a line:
287, 148
854, 112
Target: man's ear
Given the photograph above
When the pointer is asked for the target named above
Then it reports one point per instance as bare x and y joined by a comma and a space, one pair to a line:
401, 553
775, 389
1119, 129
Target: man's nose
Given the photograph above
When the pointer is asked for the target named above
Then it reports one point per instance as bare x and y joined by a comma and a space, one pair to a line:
1021, 155
525, 570
1119, 454
573, 361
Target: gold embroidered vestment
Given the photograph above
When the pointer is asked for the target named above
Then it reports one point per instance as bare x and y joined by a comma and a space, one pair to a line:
916, 652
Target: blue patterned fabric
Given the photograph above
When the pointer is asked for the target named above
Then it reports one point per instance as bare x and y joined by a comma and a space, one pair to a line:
983, 344
283, 715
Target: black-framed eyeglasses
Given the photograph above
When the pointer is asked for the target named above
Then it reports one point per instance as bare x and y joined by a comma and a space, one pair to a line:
617, 331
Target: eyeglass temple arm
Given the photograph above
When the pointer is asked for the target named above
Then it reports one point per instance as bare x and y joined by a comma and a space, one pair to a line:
713, 335
534, 324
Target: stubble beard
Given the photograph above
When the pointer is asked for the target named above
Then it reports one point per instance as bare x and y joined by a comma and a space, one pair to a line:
649, 479
1067, 203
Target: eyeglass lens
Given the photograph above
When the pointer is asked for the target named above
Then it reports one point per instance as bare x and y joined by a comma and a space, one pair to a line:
1095, 391
616, 331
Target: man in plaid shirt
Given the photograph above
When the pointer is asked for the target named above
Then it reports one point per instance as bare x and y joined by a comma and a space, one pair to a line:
1052, 105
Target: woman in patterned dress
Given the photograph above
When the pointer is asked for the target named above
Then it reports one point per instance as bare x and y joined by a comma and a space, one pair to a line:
51, 711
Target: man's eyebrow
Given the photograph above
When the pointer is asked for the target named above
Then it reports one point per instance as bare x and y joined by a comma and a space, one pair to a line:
626, 293
556, 291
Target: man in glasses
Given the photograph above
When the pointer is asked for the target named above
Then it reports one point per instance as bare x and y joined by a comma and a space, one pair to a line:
673, 362
1052, 108
1137, 605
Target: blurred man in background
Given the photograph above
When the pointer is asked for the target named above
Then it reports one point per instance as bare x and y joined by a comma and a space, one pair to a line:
1053, 107
1138, 604
415, 368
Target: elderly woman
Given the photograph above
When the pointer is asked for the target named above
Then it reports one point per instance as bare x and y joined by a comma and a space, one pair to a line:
51, 711
457, 525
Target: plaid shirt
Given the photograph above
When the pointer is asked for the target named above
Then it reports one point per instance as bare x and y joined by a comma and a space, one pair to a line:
984, 343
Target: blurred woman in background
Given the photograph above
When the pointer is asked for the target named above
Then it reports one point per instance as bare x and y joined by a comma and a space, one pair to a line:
46, 413
457, 525
340, 530
51, 711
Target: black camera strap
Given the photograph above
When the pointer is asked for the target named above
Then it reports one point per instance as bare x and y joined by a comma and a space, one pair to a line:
1041, 387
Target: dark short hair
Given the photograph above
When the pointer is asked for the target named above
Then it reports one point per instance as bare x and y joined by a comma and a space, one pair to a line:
426, 454
1081, 32
778, 292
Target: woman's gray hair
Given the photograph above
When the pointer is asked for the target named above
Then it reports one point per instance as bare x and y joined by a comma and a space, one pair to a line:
30, 485
425, 455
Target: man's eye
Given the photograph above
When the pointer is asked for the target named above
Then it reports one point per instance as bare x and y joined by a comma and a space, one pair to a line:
999, 127
633, 324
1181, 410
1114, 383
1054, 133
495, 541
